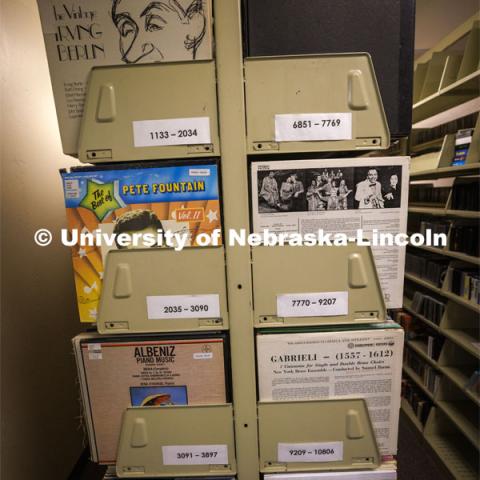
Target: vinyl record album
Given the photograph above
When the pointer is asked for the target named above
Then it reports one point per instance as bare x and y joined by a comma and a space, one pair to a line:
148, 370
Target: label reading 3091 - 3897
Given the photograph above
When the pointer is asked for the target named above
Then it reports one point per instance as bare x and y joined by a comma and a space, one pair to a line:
195, 454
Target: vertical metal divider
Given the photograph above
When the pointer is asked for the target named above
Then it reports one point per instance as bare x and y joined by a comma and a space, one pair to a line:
231, 108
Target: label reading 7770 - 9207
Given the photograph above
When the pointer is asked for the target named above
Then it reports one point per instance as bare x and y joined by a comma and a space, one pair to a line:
322, 304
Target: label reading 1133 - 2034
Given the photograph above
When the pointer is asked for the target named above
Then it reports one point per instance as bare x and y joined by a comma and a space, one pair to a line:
171, 131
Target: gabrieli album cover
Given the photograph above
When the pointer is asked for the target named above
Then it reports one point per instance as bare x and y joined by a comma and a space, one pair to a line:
341, 195
181, 199
83, 34
116, 373
356, 363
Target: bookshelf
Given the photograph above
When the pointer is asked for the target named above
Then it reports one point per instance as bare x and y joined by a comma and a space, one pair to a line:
444, 212
444, 293
446, 99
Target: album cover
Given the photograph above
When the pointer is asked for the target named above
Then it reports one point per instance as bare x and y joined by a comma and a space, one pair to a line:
147, 370
83, 34
182, 199
353, 363
338, 195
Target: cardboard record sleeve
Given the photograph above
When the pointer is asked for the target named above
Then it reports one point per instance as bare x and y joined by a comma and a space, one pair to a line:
179, 197
146, 370
334, 363
385, 472
92, 33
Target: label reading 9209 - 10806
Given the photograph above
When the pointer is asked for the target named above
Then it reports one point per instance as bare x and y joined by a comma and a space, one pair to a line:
310, 452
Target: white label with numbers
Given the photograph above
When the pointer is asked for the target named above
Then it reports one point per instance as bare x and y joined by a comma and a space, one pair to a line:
299, 127
183, 306
171, 131
324, 304
310, 452
95, 356
195, 455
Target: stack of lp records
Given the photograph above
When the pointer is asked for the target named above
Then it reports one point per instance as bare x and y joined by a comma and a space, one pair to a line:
147, 370
111, 476
350, 362
384, 472
91, 33
361, 199
180, 200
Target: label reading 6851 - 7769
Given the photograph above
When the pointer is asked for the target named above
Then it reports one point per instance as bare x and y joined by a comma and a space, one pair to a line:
297, 127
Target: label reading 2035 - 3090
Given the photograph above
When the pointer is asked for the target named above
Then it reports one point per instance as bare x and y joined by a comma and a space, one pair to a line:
183, 306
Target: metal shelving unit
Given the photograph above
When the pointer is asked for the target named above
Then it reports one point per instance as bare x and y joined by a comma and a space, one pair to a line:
459, 92
451, 429
443, 212
418, 381
247, 430
448, 253
444, 293
446, 171
450, 450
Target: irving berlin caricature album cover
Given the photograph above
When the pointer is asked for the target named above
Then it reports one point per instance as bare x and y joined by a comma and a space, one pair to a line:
83, 34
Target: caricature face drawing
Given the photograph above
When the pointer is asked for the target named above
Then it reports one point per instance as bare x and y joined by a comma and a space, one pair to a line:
149, 29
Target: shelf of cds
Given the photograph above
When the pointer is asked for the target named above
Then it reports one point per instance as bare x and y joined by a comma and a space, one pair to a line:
451, 254
452, 449
430, 390
443, 292
441, 305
